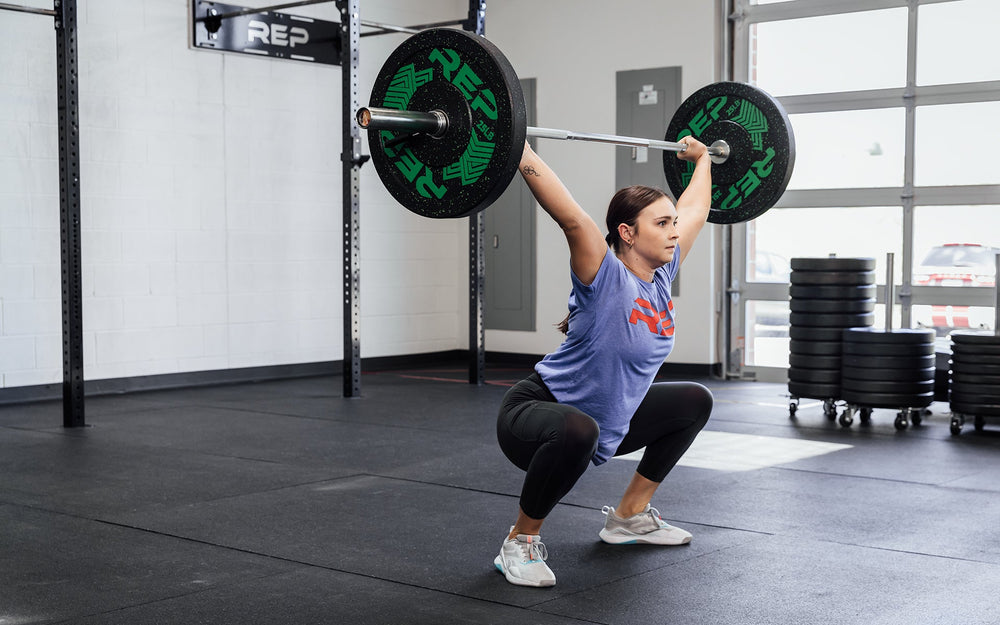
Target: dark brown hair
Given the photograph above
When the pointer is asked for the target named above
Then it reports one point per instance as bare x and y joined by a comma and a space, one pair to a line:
624, 208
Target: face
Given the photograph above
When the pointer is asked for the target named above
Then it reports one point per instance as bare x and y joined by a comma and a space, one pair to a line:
655, 235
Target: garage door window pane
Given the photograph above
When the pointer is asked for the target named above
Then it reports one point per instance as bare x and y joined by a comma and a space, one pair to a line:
816, 55
973, 126
956, 42
868, 232
766, 334
849, 149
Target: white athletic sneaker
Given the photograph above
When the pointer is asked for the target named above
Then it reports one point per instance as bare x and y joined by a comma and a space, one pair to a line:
646, 527
522, 561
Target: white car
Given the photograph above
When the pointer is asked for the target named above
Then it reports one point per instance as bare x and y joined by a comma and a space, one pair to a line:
955, 264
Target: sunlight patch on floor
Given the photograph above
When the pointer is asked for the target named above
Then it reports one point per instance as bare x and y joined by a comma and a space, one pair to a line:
724, 451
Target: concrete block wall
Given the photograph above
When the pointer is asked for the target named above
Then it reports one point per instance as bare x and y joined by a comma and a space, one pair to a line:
211, 204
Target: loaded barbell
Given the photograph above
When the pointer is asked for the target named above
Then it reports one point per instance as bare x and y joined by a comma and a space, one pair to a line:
446, 124
435, 123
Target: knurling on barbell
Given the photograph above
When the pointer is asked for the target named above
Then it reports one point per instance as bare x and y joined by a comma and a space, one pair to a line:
446, 124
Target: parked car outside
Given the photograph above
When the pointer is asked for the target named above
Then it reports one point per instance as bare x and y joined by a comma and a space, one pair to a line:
955, 264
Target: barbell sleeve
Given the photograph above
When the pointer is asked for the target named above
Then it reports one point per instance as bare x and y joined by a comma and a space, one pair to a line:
435, 123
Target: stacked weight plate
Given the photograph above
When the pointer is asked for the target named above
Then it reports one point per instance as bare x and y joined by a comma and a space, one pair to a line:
887, 369
827, 296
975, 378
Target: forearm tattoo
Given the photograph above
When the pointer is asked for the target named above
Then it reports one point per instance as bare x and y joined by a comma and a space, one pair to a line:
528, 170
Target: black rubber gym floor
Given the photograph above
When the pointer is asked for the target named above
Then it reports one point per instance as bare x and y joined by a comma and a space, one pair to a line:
283, 502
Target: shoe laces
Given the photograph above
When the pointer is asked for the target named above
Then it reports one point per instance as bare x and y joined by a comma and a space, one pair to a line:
531, 550
653, 512
650, 510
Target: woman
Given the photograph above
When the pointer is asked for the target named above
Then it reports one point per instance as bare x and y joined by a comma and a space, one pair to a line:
594, 397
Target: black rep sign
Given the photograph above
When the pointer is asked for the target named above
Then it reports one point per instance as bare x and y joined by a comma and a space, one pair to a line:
266, 34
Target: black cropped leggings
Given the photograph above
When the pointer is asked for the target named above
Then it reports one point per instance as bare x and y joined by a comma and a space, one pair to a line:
553, 443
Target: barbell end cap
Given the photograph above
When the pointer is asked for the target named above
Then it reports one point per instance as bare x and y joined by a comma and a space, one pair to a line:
719, 151
364, 117
442, 123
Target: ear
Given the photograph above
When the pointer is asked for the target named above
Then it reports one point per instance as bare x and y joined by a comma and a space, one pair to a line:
625, 234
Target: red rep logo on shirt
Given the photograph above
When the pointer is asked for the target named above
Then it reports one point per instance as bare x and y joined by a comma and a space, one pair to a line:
652, 319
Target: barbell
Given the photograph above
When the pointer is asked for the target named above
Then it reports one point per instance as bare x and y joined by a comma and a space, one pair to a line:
436, 123
446, 125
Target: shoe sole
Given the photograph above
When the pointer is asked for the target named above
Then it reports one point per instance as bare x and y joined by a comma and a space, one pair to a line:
618, 539
517, 581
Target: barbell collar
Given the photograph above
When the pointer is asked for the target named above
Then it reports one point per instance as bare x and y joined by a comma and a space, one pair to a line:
719, 151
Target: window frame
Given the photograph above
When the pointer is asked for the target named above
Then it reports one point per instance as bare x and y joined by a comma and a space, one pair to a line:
743, 17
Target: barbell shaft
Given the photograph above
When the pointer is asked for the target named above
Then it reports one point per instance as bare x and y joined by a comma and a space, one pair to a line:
571, 135
435, 123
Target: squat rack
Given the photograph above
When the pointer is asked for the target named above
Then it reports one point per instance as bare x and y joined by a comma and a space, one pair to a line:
65, 22
64, 12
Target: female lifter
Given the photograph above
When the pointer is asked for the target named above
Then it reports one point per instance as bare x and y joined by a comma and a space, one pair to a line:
594, 397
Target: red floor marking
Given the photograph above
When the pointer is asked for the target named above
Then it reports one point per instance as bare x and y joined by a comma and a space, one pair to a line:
435, 379
427, 377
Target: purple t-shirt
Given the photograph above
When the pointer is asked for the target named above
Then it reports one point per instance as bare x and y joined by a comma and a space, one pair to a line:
621, 329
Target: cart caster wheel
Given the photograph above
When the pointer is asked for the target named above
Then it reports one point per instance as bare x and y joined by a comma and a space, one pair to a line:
901, 422
792, 408
830, 409
916, 417
956, 425
979, 423
866, 416
846, 419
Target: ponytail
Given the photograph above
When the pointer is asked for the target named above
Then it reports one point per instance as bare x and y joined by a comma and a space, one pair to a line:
563, 326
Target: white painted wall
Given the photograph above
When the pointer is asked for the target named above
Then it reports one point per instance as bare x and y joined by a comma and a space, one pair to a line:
211, 190
574, 50
211, 204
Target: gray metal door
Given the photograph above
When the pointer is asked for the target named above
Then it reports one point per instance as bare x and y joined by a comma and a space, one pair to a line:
509, 293
646, 100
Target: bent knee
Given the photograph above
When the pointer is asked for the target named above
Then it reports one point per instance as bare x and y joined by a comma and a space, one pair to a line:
581, 432
702, 402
